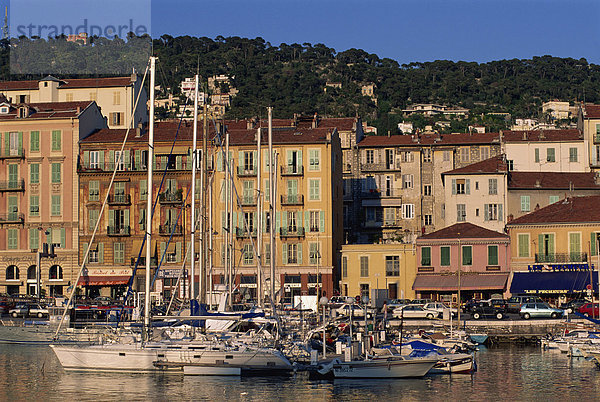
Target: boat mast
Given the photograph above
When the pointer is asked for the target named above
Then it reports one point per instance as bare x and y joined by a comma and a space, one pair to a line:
149, 201
229, 182
259, 276
194, 168
271, 207
203, 181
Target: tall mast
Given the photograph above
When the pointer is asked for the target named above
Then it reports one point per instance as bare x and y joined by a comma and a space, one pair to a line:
194, 168
149, 201
203, 174
259, 276
272, 206
229, 186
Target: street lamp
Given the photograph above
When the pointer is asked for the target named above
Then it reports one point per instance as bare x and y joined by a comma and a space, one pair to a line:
323, 302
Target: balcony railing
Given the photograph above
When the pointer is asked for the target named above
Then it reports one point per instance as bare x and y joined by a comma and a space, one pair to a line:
291, 232
292, 199
385, 193
392, 223
292, 170
244, 172
142, 263
12, 217
118, 230
561, 257
248, 200
119, 199
12, 153
12, 185
243, 232
171, 197
166, 230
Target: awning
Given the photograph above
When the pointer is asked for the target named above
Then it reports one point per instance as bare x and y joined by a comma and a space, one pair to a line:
468, 281
103, 280
178, 150
385, 202
553, 282
137, 245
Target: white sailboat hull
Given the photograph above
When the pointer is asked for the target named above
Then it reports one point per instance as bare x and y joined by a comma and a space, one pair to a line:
391, 368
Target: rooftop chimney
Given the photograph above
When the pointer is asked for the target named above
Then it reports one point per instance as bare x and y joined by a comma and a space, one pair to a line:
524, 135
138, 130
538, 184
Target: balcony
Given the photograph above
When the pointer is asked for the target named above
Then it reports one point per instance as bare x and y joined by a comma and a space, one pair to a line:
292, 199
248, 200
166, 230
291, 232
397, 223
119, 199
12, 218
245, 172
142, 264
597, 138
243, 232
118, 230
385, 193
561, 258
379, 167
12, 185
12, 153
169, 197
292, 170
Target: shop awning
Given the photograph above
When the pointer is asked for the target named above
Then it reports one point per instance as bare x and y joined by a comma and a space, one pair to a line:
103, 280
467, 282
552, 282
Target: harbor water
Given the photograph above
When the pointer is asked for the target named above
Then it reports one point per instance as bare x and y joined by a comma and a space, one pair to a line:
508, 373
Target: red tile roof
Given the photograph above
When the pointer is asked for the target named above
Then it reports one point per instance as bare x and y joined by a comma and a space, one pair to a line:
341, 123
569, 210
552, 180
497, 164
428, 139
68, 83
51, 110
542, 135
464, 230
591, 111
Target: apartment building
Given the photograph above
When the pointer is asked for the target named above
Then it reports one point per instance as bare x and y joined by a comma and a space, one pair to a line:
588, 122
39, 192
115, 96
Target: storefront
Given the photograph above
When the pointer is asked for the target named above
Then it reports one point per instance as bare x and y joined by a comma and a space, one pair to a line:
444, 287
105, 282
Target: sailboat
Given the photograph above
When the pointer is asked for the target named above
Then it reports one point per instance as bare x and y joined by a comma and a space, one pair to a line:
196, 356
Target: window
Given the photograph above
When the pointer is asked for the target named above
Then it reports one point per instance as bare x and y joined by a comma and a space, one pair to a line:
426, 256
248, 254
34, 205
476, 185
447, 156
461, 213
248, 160
34, 141
407, 181
56, 170
428, 219
142, 221
523, 245
485, 153
461, 186
427, 155
316, 221
525, 203
119, 160
553, 198
492, 212
408, 211
467, 255
34, 173
55, 272
392, 265
492, 255
314, 189
119, 252
550, 156
344, 267
292, 253
115, 118
537, 155
370, 214
143, 189
575, 247
34, 239
364, 289
370, 156
464, 155
445, 256
493, 186
364, 266
314, 159
12, 239
12, 273
56, 140
572, 154
314, 253
427, 189
94, 159
93, 215
69, 97
116, 98
510, 165
94, 189
407, 156
55, 208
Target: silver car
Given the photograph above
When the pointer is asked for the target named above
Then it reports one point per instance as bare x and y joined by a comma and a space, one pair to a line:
415, 311
539, 310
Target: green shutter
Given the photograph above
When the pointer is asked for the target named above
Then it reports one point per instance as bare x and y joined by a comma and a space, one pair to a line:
255, 160
284, 221
111, 159
307, 221
492, 255
137, 158
551, 244
299, 161
111, 217
63, 238
284, 254
85, 247
541, 244
468, 186
219, 161
445, 256
86, 159
127, 159
178, 162
178, 251
6, 143
454, 186
277, 221
101, 159
593, 243
241, 159
126, 217
321, 221
163, 249
300, 253
101, 253
20, 140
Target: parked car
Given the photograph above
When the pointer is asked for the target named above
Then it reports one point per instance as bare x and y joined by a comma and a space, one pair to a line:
5, 307
539, 310
337, 301
20, 310
421, 302
395, 303
37, 310
414, 311
103, 301
470, 304
573, 305
515, 302
590, 310
484, 309
440, 308
356, 309
499, 303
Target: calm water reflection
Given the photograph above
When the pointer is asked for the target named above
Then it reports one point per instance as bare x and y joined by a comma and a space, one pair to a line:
511, 373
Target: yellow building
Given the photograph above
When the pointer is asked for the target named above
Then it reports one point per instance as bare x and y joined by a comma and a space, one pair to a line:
379, 266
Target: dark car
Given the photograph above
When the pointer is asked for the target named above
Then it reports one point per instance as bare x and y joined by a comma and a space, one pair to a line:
5, 307
590, 310
573, 305
470, 304
486, 310
515, 302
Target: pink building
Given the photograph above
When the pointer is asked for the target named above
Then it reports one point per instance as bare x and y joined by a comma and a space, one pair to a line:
481, 254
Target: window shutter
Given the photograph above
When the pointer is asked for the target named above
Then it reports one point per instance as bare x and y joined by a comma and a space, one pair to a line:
101, 159
299, 161
163, 249
486, 216
264, 222
500, 214
127, 159
468, 186
178, 162
20, 140
126, 217
101, 253
541, 244
6, 143
300, 253
86, 159
593, 243
111, 217
289, 158
219, 161
454, 186
111, 159
62, 237
137, 158
255, 160
307, 221
284, 255
277, 215
223, 220
178, 251
284, 221
241, 159
321, 221
551, 244
85, 247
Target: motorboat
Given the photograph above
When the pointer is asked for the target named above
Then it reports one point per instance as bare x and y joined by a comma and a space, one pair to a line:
388, 367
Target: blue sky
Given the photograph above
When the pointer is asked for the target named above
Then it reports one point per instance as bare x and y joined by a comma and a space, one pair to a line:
404, 30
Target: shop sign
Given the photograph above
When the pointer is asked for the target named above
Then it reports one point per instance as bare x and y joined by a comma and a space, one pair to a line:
560, 267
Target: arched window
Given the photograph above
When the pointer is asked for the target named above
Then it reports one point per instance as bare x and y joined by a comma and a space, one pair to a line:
32, 272
12, 272
56, 272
